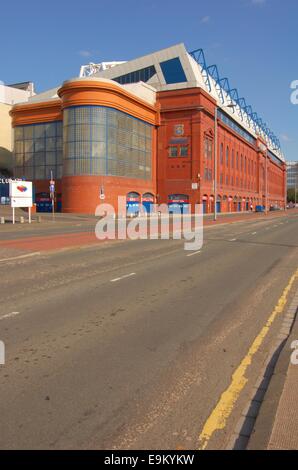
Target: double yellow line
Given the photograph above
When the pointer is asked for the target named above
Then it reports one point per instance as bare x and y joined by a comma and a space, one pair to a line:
218, 418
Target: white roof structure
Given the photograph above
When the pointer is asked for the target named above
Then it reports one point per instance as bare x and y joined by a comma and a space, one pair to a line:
175, 68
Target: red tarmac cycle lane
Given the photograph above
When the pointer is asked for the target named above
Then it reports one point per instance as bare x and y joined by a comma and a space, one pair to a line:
69, 240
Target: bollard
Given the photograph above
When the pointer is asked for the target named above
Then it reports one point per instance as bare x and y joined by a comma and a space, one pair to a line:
2, 220
39, 219
21, 220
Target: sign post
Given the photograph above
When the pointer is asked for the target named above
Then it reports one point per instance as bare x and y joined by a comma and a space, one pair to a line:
52, 194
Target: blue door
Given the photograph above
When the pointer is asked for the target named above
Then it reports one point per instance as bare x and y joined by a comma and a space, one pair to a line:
148, 201
218, 206
132, 203
204, 207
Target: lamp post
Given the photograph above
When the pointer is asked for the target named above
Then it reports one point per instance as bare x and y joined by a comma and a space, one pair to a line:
229, 106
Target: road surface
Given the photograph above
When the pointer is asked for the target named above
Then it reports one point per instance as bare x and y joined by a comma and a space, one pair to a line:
130, 345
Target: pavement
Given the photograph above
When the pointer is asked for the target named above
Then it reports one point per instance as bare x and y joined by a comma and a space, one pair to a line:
134, 344
277, 422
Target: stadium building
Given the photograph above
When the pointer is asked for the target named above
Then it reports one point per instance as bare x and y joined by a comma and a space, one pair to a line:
146, 129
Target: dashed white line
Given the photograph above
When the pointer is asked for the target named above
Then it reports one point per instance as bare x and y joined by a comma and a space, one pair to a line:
233, 240
8, 315
28, 255
194, 253
123, 277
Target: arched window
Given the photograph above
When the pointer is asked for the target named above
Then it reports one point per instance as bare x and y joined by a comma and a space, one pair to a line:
221, 153
227, 156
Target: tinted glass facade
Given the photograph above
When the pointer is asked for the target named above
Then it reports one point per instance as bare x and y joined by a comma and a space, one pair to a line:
236, 128
38, 151
105, 141
142, 75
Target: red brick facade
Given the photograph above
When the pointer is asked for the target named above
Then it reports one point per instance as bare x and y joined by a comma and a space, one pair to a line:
187, 119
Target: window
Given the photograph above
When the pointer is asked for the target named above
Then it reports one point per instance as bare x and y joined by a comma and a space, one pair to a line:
173, 151
137, 76
173, 71
38, 151
105, 141
221, 178
183, 151
237, 161
236, 128
233, 158
227, 156
208, 148
221, 153
227, 180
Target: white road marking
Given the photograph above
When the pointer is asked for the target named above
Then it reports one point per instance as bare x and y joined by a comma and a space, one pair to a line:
233, 240
8, 315
123, 277
194, 253
275, 225
254, 233
36, 253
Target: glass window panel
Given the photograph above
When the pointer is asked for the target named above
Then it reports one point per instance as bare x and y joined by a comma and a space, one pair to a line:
39, 158
51, 158
50, 129
28, 146
19, 172
59, 170
69, 167
18, 133
59, 157
39, 145
59, 128
39, 131
98, 149
98, 133
29, 172
19, 159
51, 143
184, 151
59, 143
19, 147
28, 132
29, 159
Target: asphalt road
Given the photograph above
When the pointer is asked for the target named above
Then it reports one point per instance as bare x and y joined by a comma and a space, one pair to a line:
131, 344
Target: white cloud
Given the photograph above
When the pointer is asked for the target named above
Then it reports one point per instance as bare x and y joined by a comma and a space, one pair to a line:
286, 138
258, 2
205, 19
85, 53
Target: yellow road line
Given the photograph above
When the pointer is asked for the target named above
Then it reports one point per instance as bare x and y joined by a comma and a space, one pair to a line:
218, 418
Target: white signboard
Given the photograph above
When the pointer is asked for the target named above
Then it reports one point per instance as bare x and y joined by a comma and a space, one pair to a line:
20, 193
20, 189
21, 202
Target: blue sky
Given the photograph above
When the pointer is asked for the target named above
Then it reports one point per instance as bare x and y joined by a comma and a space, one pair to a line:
253, 42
